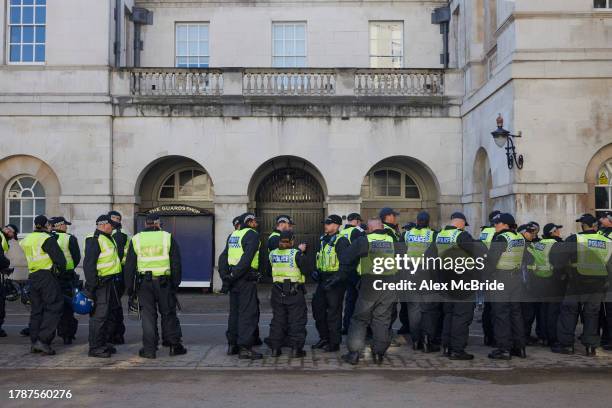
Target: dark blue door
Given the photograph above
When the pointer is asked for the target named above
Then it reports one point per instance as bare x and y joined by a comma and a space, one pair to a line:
194, 235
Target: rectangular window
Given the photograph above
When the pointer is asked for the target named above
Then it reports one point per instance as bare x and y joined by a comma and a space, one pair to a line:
602, 4
289, 45
27, 21
192, 45
386, 44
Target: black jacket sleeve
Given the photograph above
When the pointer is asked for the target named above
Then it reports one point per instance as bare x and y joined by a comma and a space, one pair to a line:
75, 251
301, 261
356, 233
129, 270
250, 245
222, 262
176, 270
475, 249
358, 249
52, 248
4, 261
90, 261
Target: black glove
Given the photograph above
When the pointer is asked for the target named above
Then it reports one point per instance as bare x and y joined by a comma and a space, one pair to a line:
315, 275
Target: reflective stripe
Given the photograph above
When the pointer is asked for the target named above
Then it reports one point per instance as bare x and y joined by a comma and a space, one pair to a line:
486, 235
379, 246
327, 258
152, 250
512, 257
417, 241
284, 266
63, 240
594, 251
447, 239
540, 252
108, 262
5, 244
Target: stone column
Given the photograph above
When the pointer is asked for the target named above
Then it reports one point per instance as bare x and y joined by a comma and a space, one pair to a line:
343, 205
226, 208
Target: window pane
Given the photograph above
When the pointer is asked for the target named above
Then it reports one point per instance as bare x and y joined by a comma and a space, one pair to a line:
412, 192
300, 31
181, 32
40, 207
26, 182
277, 31
181, 62
15, 53
41, 1
27, 53
27, 225
28, 34
40, 34
27, 207
602, 198
410, 181
14, 207
27, 194
15, 2
169, 181
181, 48
300, 47
27, 2
277, 61
28, 15
166, 192
380, 183
41, 15
204, 32
192, 32
15, 15
16, 221
600, 3
395, 178
15, 34
40, 53
185, 178
39, 191
15, 190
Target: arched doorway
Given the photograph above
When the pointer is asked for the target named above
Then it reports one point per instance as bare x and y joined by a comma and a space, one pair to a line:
181, 192
402, 183
289, 186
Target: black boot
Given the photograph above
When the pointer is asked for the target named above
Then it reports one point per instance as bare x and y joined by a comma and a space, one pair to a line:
111, 349
489, 341
166, 343
232, 349
257, 341
460, 355
331, 348
428, 346
320, 344
2, 333
142, 353
378, 358
558, 348
177, 349
67, 341
352, 357
519, 352
118, 339
40, 347
99, 354
25, 332
276, 352
446, 351
246, 353
591, 351
500, 354
297, 353
417, 345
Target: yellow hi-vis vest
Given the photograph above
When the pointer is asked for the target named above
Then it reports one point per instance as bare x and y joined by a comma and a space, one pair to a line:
35, 255
284, 265
417, 241
327, 258
486, 236
5, 244
447, 239
235, 250
594, 251
512, 257
396, 237
63, 240
379, 246
346, 232
152, 249
540, 251
108, 261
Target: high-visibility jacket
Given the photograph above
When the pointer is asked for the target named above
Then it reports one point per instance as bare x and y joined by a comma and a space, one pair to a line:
34, 253
392, 232
235, 249
348, 231
327, 258
5, 244
152, 249
540, 251
486, 236
512, 257
379, 246
417, 241
284, 265
108, 263
63, 240
447, 239
594, 251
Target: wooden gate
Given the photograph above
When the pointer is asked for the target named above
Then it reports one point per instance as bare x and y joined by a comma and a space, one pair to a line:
298, 194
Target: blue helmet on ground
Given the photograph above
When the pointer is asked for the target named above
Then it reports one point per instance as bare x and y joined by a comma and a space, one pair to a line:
81, 304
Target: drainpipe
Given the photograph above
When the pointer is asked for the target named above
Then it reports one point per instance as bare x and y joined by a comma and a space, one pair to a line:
140, 16
117, 43
442, 16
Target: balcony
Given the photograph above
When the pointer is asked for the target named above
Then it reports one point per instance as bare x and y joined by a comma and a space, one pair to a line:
278, 91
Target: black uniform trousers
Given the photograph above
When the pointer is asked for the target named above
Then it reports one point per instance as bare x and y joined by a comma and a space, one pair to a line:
289, 317
2, 305
243, 317
47, 304
327, 312
431, 320
508, 323
103, 320
549, 316
119, 328
587, 303
605, 315
68, 325
373, 309
487, 320
158, 296
456, 324
350, 298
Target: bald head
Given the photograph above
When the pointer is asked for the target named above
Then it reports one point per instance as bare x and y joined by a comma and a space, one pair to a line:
374, 224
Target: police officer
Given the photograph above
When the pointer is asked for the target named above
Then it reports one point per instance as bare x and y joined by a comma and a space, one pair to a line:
122, 240
289, 310
102, 269
241, 276
458, 309
373, 307
330, 277
283, 223
69, 245
153, 272
236, 223
605, 314
7, 233
504, 259
351, 231
531, 308
544, 282
46, 262
486, 236
586, 257
418, 239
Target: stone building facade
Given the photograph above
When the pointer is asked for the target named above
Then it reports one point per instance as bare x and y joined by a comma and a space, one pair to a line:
305, 107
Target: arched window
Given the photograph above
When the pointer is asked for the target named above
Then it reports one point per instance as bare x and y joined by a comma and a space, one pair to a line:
186, 185
603, 188
25, 199
393, 183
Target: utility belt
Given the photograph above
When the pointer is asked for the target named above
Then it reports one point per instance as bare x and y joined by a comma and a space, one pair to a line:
147, 276
288, 288
325, 276
115, 278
